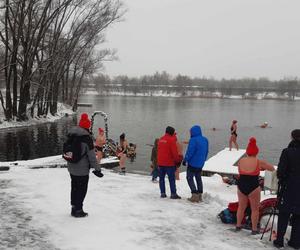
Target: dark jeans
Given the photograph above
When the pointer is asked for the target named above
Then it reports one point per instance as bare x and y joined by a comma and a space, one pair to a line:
192, 172
283, 221
79, 186
170, 171
154, 173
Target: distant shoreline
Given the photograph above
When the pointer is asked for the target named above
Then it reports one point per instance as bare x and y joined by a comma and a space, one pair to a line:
215, 95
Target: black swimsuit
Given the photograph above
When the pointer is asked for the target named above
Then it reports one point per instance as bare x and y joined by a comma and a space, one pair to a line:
247, 183
233, 132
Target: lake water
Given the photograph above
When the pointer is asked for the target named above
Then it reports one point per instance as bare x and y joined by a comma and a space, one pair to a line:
143, 119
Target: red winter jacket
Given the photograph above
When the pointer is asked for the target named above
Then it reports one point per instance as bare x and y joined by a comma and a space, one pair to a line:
167, 153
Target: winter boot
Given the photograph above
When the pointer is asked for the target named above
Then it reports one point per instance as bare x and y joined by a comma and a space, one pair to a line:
73, 210
163, 195
200, 197
194, 198
278, 243
79, 213
175, 196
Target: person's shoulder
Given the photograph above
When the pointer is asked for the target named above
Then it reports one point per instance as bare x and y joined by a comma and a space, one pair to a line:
203, 139
87, 139
285, 151
243, 159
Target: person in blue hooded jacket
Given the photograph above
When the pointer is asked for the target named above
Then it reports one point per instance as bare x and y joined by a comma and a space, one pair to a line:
195, 158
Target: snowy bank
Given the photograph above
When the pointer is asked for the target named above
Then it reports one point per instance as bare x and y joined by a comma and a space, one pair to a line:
62, 110
125, 212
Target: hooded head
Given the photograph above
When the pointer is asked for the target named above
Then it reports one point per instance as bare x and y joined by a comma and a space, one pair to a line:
196, 131
252, 149
170, 130
84, 121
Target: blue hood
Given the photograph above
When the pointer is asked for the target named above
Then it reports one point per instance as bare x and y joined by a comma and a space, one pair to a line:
196, 131
197, 150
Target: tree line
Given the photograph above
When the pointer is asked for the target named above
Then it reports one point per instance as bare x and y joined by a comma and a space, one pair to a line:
183, 84
48, 48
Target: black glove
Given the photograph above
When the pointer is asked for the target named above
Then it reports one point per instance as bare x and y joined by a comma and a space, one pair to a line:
98, 173
184, 163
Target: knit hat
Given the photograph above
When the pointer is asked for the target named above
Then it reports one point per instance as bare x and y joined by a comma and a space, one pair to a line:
252, 149
170, 130
84, 121
100, 130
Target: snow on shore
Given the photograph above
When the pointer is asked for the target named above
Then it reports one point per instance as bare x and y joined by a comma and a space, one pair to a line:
195, 93
62, 110
125, 212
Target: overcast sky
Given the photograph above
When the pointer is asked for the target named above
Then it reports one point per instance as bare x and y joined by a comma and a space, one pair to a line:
218, 38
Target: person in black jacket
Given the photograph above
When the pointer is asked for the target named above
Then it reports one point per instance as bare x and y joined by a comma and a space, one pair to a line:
288, 174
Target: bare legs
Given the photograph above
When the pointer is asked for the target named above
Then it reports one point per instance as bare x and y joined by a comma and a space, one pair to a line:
122, 158
254, 198
99, 156
233, 140
243, 203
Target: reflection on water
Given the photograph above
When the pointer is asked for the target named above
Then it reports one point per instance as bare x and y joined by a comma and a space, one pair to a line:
35, 141
143, 119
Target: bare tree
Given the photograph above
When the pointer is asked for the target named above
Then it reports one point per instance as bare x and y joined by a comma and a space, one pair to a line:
49, 47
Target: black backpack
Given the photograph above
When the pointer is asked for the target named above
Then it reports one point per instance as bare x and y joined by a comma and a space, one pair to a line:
72, 148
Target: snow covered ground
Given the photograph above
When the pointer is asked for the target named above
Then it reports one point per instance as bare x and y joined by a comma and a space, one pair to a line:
125, 212
62, 110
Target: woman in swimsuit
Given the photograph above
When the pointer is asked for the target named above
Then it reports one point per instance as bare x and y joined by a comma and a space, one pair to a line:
100, 141
248, 184
233, 136
122, 151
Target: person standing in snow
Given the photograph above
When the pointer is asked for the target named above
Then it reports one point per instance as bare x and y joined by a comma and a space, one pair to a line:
288, 174
249, 168
195, 158
79, 171
167, 160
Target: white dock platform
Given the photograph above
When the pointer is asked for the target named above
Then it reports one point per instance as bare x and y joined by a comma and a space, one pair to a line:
82, 104
54, 162
223, 162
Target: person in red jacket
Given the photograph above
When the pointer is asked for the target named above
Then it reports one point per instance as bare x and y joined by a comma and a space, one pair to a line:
167, 159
